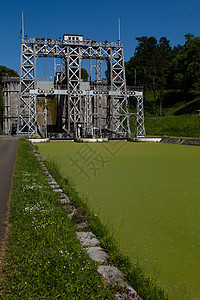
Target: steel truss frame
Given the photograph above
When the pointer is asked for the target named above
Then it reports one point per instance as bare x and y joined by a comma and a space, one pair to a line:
79, 102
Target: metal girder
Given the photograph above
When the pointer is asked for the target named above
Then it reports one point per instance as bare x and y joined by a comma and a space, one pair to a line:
79, 102
73, 67
88, 126
119, 117
97, 66
26, 113
91, 92
140, 129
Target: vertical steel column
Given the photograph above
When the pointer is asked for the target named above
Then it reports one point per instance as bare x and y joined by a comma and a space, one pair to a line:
100, 116
126, 121
110, 85
98, 70
119, 104
73, 65
88, 126
140, 129
26, 115
32, 110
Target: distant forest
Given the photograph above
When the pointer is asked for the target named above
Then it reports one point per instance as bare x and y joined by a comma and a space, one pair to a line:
158, 67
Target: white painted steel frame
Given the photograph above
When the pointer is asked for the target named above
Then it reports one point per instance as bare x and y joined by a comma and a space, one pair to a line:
78, 102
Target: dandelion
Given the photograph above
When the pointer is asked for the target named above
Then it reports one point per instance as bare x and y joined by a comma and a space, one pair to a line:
95, 215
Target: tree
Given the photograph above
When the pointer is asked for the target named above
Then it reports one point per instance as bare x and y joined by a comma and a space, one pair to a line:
4, 71
192, 47
164, 57
152, 62
84, 74
186, 65
145, 57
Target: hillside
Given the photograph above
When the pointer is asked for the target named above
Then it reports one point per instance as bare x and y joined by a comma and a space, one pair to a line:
179, 115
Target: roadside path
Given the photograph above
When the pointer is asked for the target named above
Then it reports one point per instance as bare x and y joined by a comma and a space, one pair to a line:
8, 149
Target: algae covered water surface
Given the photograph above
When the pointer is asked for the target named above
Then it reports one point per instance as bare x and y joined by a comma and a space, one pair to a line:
149, 195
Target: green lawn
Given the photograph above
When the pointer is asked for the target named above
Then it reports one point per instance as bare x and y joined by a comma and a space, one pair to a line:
149, 195
187, 125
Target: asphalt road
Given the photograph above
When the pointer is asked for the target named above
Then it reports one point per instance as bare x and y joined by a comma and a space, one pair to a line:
8, 148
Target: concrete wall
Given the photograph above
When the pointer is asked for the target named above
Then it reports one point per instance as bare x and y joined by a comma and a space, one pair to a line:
56, 113
10, 102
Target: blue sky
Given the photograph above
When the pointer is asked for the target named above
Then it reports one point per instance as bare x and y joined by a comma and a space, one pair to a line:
96, 20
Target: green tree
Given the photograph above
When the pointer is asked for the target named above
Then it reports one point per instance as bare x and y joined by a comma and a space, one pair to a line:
163, 60
186, 65
84, 74
145, 59
4, 71
151, 62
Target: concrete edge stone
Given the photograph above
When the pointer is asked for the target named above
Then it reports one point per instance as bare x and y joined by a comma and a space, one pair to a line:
97, 254
87, 239
114, 276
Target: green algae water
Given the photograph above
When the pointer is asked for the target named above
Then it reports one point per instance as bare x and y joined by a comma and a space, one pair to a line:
149, 195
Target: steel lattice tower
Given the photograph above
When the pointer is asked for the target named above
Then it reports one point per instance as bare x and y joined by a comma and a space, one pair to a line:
82, 106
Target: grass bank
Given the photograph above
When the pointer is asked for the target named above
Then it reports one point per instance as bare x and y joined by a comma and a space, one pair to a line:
184, 125
44, 259
173, 126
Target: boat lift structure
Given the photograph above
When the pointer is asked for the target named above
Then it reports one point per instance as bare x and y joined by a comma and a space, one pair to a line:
99, 108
